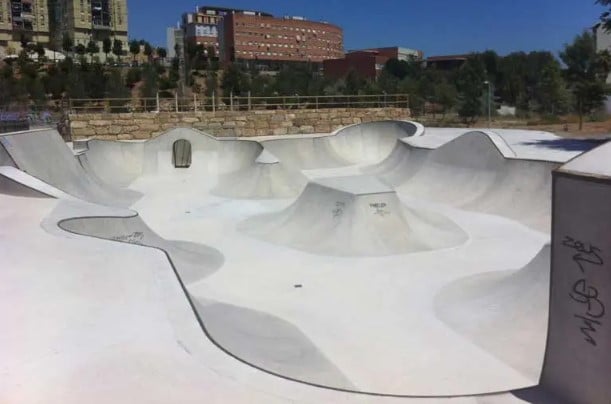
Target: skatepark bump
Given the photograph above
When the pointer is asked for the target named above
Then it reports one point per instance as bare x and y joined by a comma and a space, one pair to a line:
504, 312
269, 343
266, 178
354, 216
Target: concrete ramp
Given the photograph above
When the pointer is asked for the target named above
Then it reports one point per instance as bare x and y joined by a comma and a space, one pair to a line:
354, 216
505, 313
472, 172
267, 178
127, 161
17, 183
116, 163
44, 155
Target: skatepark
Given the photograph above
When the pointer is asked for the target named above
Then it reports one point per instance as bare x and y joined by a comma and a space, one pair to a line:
383, 262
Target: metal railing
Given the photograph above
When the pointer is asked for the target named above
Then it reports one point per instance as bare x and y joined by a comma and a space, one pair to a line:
198, 103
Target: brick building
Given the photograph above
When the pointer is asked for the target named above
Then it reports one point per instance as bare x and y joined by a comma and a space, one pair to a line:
367, 63
202, 26
264, 39
446, 62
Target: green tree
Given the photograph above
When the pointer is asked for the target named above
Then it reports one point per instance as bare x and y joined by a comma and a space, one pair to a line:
106, 47
606, 16
150, 82
25, 42
354, 83
235, 81
445, 96
551, 94
388, 82
134, 49
115, 88
92, 49
40, 51
148, 51
134, 75
470, 89
80, 49
398, 68
117, 48
162, 53
586, 74
511, 82
67, 43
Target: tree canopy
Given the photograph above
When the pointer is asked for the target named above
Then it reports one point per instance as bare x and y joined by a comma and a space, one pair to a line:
586, 73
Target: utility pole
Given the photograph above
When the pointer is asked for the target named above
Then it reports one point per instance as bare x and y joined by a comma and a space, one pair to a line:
487, 82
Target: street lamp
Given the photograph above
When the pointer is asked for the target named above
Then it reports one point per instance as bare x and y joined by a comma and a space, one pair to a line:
489, 103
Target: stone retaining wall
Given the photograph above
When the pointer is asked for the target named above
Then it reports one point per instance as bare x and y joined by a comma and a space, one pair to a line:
128, 126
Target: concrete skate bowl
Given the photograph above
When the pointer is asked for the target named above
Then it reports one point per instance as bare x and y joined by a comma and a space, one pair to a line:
401, 277
227, 167
367, 143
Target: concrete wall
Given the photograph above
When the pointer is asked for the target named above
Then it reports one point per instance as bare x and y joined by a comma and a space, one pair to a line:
130, 126
577, 364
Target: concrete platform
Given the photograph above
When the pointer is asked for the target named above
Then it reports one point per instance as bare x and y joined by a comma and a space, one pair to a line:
128, 280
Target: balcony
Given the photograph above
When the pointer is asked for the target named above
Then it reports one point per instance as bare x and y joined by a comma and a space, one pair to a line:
99, 26
22, 25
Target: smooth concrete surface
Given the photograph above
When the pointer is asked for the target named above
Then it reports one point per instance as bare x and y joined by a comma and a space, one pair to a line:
578, 357
170, 293
354, 216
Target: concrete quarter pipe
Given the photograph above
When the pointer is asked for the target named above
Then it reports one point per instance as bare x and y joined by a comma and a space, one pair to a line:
383, 262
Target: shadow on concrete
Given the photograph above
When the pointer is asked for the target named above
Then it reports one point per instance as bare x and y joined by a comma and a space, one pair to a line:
582, 145
537, 395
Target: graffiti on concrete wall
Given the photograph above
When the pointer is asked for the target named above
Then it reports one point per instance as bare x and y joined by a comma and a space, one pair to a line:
585, 293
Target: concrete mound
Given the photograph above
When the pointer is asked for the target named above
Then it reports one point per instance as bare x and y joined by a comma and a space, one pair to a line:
267, 178
471, 172
354, 216
504, 313
270, 343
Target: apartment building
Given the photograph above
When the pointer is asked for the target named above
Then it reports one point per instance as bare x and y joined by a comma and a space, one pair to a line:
202, 26
265, 39
23, 20
88, 20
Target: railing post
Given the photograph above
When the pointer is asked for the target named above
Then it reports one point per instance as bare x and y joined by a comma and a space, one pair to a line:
316, 98
176, 101
194, 102
231, 101
213, 103
249, 102
157, 101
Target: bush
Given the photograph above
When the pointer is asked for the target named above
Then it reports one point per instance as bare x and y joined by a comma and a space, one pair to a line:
134, 75
599, 116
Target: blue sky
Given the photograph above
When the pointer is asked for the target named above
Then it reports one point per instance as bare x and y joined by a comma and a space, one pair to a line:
434, 26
